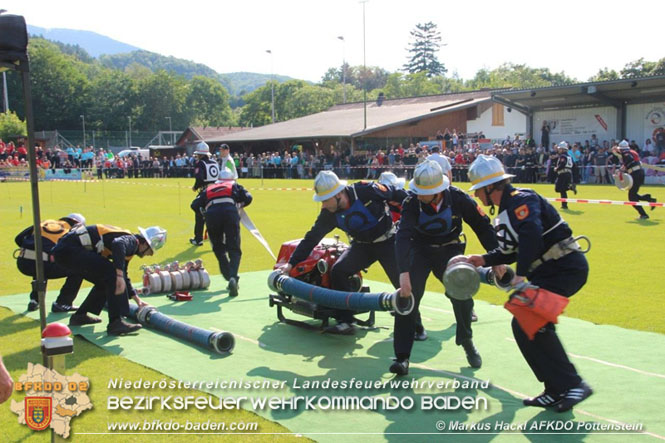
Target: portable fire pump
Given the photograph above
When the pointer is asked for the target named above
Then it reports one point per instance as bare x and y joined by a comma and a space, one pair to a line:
314, 270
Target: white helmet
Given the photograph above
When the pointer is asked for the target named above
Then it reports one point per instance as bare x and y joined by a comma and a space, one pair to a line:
486, 170
226, 174
623, 145
74, 217
428, 179
202, 148
388, 178
154, 236
327, 185
563, 145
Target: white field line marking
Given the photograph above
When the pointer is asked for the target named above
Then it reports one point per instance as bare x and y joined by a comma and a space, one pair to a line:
521, 395
607, 363
436, 309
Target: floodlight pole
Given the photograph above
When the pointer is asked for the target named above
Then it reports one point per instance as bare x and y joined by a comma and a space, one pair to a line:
4, 94
83, 119
170, 129
364, 71
341, 37
272, 87
129, 119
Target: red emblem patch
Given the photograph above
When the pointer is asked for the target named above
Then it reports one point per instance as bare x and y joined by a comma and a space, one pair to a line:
522, 212
38, 412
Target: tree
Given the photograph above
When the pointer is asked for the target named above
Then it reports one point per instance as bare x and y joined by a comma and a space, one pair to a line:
113, 97
642, 68
11, 126
308, 100
293, 99
59, 86
605, 74
208, 103
426, 43
412, 85
510, 75
158, 95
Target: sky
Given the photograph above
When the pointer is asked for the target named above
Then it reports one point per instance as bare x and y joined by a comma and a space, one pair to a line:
577, 37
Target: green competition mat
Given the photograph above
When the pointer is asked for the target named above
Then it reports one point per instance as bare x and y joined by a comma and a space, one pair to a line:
329, 387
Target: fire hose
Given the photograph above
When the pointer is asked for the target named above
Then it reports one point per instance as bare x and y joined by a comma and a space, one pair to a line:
221, 342
355, 301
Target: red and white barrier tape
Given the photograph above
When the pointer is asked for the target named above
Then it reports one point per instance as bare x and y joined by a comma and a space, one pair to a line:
604, 202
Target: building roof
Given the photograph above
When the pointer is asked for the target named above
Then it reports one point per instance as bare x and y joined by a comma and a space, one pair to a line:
207, 132
196, 133
348, 120
580, 95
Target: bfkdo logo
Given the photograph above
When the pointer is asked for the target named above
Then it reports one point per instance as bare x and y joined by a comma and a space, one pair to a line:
38, 412
51, 400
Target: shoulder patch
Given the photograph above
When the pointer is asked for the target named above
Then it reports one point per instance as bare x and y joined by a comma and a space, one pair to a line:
522, 212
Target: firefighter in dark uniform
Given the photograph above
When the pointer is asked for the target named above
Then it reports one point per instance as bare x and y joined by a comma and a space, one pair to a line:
428, 237
101, 254
389, 178
206, 171
564, 173
630, 164
220, 202
533, 234
360, 210
51, 232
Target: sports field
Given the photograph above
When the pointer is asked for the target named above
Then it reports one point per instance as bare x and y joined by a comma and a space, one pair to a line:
624, 287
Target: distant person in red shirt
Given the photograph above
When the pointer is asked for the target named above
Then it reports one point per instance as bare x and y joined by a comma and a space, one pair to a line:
22, 152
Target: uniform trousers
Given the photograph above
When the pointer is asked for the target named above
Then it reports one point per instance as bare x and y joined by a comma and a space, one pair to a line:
562, 184
426, 259
358, 257
199, 224
68, 291
224, 233
545, 353
638, 180
96, 269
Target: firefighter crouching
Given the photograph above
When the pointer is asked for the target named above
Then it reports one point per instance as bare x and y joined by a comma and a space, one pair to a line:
51, 232
100, 254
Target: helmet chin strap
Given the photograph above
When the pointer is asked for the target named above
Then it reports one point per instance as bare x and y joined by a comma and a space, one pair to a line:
489, 199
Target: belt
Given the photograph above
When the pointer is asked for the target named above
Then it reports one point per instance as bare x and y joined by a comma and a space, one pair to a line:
560, 249
563, 171
29, 254
388, 234
633, 169
218, 201
451, 242
458, 240
86, 241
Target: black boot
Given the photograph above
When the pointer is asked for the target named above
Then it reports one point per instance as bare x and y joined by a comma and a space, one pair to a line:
472, 355
573, 396
400, 367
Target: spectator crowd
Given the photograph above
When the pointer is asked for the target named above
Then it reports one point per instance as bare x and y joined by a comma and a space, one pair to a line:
530, 163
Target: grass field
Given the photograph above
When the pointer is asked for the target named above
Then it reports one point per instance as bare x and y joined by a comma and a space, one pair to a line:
624, 287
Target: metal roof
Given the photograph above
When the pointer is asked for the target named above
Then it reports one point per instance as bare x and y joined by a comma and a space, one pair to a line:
609, 93
347, 120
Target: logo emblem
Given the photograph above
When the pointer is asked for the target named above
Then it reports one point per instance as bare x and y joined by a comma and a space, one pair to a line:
522, 212
38, 412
